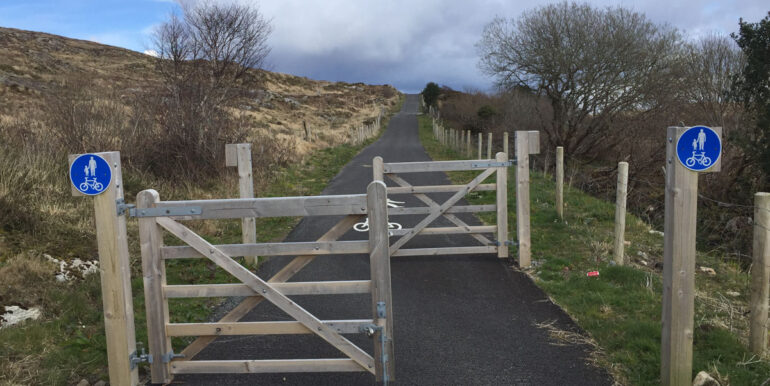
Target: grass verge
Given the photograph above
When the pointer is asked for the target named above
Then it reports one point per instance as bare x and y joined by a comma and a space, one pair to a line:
621, 309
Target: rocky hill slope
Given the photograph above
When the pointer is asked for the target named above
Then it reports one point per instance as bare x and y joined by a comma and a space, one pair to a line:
35, 66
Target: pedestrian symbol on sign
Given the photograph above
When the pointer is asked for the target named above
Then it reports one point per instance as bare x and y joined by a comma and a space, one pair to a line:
90, 174
698, 148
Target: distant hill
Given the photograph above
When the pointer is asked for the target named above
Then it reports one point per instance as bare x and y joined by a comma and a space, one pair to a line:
36, 65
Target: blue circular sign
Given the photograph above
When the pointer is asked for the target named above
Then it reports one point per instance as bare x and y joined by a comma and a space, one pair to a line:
90, 174
698, 148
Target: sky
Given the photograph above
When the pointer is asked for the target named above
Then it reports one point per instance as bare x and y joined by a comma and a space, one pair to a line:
405, 43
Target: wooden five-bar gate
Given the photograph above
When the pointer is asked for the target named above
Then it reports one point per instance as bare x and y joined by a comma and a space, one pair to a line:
157, 216
450, 207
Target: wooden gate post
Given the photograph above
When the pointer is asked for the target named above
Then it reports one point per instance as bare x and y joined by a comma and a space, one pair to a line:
560, 182
620, 213
382, 303
760, 275
481, 140
502, 206
115, 272
240, 155
154, 277
522, 198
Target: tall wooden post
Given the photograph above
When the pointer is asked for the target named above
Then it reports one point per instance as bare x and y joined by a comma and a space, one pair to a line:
481, 140
502, 206
489, 145
760, 275
560, 182
678, 267
240, 155
522, 198
679, 263
620, 212
379, 257
505, 143
154, 277
115, 271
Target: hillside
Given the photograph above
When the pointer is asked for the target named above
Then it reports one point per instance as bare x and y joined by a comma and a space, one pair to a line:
35, 66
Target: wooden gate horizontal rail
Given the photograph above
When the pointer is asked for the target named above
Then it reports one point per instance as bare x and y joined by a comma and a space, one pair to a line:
272, 249
271, 207
261, 328
265, 366
435, 166
454, 209
293, 288
448, 230
444, 251
437, 188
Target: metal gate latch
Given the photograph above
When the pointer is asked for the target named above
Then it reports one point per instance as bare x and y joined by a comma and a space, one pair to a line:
137, 359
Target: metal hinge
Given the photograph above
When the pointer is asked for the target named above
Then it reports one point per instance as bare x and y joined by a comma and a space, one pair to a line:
381, 310
123, 207
507, 242
484, 165
167, 357
165, 212
135, 360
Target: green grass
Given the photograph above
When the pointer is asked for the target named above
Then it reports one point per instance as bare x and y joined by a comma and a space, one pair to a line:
621, 309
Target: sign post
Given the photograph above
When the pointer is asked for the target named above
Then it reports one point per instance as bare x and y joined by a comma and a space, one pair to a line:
99, 175
689, 151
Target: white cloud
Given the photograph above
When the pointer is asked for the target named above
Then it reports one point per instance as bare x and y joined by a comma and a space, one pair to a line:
152, 53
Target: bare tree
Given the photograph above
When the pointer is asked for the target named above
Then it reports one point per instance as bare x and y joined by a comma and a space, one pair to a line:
714, 62
207, 58
591, 64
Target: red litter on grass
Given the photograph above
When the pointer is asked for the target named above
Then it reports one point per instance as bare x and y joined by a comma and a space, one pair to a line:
592, 273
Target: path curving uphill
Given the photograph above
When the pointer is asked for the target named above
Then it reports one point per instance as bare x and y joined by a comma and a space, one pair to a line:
459, 320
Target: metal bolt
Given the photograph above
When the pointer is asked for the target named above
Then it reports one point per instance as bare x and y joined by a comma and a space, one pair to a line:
669, 160
264, 291
670, 140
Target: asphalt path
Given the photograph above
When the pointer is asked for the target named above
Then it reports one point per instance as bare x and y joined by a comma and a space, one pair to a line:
459, 320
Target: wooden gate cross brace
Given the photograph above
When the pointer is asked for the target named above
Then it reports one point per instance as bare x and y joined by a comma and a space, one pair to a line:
433, 204
282, 276
441, 209
268, 292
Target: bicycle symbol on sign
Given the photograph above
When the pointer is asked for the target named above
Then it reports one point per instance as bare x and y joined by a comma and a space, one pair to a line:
92, 183
701, 159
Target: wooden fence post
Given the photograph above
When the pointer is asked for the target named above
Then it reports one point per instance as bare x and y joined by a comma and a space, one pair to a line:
620, 212
560, 182
760, 275
521, 139
489, 145
379, 257
502, 206
468, 148
505, 143
240, 155
154, 277
481, 139
115, 272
